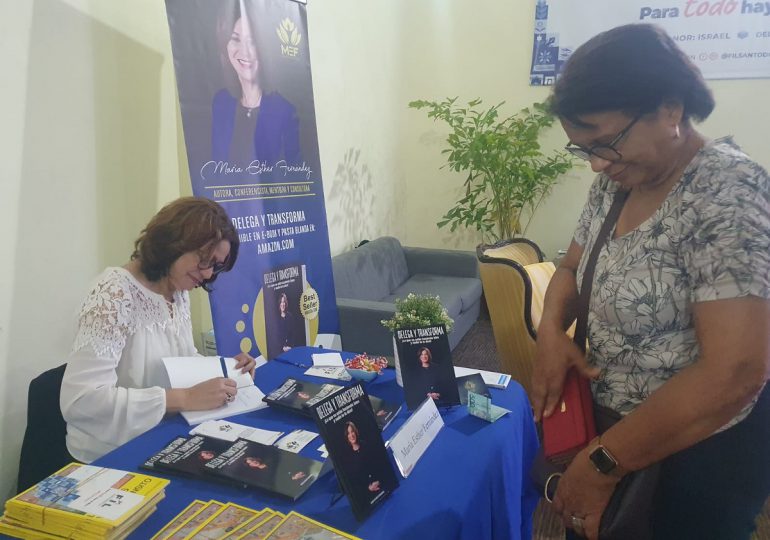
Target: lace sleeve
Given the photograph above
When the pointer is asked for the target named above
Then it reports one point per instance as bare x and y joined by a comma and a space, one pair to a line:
105, 318
101, 415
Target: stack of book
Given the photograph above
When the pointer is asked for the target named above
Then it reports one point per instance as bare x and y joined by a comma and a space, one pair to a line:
83, 501
242, 463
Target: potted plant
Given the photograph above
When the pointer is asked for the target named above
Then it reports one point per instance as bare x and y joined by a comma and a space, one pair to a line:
508, 175
415, 311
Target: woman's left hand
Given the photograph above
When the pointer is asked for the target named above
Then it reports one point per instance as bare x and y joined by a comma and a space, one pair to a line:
583, 492
246, 363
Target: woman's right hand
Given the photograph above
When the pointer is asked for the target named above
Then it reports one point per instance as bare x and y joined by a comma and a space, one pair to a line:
556, 353
210, 394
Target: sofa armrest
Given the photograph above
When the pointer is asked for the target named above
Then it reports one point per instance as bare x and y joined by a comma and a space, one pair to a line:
360, 326
442, 262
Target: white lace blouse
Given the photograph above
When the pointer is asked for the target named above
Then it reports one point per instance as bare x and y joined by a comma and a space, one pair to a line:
113, 388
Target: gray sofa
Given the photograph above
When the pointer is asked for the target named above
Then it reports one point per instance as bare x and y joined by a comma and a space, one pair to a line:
369, 278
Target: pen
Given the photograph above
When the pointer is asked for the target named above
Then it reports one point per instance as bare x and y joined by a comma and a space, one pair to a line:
224, 367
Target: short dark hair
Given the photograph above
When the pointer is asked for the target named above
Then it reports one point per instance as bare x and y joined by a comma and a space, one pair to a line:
633, 68
184, 225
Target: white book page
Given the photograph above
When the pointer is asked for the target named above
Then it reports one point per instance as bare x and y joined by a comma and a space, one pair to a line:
248, 398
187, 371
332, 359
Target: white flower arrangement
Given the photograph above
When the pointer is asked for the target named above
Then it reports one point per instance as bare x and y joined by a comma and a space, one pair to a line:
418, 310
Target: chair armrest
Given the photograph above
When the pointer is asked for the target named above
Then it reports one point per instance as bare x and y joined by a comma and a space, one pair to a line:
442, 262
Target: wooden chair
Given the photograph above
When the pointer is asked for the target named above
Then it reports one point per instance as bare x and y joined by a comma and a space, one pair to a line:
515, 279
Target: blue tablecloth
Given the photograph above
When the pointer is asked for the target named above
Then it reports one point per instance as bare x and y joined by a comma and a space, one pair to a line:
472, 483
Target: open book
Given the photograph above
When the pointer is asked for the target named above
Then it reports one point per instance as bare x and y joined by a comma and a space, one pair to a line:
187, 371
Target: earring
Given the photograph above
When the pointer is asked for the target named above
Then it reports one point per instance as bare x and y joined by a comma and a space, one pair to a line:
676, 132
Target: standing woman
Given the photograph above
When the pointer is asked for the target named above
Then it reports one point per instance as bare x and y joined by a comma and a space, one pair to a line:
679, 316
248, 122
115, 386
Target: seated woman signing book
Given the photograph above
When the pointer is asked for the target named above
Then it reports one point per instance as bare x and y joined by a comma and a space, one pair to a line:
115, 386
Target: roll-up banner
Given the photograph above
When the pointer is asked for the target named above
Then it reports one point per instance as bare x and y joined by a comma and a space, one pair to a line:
726, 39
245, 90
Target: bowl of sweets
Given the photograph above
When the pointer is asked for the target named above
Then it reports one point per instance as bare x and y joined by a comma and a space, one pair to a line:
363, 367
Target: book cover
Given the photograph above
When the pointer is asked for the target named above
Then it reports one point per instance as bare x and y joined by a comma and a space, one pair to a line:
266, 467
298, 527
260, 530
426, 366
189, 458
196, 520
349, 429
182, 517
230, 518
149, 464
285, 325
471, 383
296, 395
492, 379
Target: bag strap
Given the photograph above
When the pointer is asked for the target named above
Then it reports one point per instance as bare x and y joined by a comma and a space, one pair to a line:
581, 327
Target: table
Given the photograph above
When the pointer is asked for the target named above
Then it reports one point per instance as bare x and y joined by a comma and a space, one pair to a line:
472, 483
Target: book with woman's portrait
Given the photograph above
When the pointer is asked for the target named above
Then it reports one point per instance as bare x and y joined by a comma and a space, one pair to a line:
285, 326
426, 366
347, 424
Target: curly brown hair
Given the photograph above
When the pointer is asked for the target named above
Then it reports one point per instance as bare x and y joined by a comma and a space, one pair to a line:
184, 225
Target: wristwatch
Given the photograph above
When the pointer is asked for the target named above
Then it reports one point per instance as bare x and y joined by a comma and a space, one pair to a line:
604, 461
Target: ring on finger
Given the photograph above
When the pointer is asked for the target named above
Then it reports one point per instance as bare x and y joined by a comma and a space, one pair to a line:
229, 397
577, 525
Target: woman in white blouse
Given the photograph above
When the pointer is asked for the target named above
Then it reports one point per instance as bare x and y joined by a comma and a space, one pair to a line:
115, 386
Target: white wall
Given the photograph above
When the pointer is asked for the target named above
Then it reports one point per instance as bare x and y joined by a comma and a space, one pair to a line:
89, 140
91, 143
482, 48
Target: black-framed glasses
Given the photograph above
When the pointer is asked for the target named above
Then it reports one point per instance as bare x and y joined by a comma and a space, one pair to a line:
214, 265
607, 152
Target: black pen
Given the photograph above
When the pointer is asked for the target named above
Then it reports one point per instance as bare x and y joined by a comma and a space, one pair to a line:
224, 366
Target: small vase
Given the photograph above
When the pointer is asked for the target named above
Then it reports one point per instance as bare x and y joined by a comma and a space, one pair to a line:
397, 364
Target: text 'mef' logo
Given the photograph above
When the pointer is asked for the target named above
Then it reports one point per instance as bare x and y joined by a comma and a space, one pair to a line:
290, 37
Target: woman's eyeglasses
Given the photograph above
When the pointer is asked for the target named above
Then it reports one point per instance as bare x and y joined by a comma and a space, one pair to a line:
607, 151
215, 266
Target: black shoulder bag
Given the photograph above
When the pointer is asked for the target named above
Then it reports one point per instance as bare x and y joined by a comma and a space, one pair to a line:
628, 513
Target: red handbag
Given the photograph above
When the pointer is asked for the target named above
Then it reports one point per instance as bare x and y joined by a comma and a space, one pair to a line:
571, 426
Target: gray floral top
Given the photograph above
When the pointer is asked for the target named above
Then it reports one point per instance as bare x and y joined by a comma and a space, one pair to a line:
709, 240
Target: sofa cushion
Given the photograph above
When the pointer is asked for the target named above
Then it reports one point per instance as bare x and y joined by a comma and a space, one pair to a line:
371, 271
457, 293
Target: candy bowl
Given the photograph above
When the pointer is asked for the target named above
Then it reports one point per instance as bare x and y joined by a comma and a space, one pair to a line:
363, 367
362, 374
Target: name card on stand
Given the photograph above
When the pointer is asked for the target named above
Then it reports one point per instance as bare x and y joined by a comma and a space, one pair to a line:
414, 437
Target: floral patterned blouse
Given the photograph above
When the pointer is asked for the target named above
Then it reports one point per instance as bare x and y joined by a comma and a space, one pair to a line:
709, 240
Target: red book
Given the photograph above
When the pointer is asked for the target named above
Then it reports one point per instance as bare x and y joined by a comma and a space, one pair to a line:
571, 426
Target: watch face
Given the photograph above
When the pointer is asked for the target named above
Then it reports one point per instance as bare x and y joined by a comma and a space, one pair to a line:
602, 460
